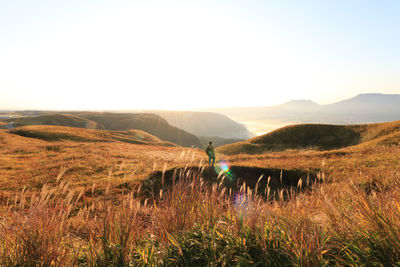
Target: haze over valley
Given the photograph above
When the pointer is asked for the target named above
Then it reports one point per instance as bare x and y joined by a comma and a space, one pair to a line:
225, 125
363, 108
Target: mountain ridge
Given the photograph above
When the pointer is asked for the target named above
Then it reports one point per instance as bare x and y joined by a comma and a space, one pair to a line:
363, 108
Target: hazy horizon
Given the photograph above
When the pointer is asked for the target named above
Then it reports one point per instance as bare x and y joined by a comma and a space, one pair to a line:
172, 55
209, 109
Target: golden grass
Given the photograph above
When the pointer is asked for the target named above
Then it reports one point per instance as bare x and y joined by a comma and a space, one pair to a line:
31, 162
73, 202
331, 224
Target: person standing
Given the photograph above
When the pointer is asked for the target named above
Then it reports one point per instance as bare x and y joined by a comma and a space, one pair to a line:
211, 154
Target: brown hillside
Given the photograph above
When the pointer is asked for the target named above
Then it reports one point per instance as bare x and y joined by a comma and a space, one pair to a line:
61, 133
151, 123
316, 136
59, 120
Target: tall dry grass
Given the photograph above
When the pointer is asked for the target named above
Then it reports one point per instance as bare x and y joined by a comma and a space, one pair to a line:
192, 222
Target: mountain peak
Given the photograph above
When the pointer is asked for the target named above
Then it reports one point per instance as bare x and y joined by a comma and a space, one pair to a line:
369, 95
375, 96
371, 98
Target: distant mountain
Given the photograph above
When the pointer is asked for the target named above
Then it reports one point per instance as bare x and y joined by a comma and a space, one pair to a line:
364, 108
150, 123
206, 124
366, 101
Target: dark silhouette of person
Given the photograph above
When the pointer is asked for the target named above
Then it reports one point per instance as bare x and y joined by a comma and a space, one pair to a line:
211, 154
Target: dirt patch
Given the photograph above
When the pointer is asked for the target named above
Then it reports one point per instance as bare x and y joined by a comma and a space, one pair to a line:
233, 178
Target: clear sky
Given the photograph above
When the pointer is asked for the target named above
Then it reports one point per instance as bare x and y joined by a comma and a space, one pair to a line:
93, 54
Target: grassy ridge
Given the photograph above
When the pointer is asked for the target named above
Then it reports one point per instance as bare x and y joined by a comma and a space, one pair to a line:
58, 119
58, 133
151, 123
317, 136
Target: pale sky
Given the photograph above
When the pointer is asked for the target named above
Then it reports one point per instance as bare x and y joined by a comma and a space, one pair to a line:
92, 54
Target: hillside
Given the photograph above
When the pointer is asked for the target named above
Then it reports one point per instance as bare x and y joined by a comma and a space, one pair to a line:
57, 119
147, 122
62, 133
151, 123
207, 124
316, 136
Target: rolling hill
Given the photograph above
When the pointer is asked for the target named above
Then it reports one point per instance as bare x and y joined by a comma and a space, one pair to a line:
57, 119
317, 136
151, 123
62, 133
147, 122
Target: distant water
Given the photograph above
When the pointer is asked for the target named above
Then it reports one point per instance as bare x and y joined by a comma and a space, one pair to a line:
6, 116
260, 127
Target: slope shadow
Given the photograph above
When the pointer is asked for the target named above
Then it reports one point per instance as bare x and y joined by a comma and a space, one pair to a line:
233, 178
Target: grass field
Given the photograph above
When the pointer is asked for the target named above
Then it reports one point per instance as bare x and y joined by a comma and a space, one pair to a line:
82, 156
75, 198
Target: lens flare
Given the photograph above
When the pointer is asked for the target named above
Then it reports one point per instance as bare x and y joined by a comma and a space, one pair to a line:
224, 167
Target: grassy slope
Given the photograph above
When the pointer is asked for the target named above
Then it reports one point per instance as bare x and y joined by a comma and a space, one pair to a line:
33, 155
338, 222
61, 133
319, 136
59, 120
150, 123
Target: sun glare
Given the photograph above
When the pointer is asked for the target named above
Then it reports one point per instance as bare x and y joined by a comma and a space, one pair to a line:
164, 56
